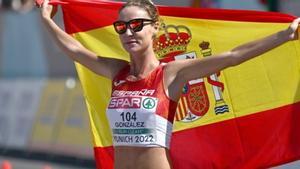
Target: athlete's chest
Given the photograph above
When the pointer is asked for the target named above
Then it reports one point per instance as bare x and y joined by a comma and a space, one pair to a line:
132, 116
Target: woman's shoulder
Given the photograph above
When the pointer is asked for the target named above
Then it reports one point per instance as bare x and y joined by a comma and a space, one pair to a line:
121, 69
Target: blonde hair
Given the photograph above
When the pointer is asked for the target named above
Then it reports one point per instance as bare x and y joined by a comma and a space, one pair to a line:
147, 5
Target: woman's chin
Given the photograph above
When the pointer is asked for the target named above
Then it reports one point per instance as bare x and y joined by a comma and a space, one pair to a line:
133, 49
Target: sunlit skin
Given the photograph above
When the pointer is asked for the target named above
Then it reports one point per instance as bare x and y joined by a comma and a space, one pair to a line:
139, 44
143, 61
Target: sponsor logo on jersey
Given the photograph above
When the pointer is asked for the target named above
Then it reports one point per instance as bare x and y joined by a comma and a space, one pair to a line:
143, 92
118, 83
125, 102
132, 103
149, 103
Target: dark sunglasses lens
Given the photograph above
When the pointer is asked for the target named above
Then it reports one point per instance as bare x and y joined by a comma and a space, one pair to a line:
120, 27
136, 25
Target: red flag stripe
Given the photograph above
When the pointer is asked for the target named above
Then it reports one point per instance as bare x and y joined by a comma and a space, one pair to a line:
241, 142
104, 157
269, 131
104, 13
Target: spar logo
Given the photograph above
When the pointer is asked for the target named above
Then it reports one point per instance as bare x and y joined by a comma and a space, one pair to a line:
132, 103
149, 103
125, 102
194, 102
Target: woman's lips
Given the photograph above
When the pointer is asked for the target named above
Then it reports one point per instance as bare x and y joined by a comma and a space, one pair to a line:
131, 42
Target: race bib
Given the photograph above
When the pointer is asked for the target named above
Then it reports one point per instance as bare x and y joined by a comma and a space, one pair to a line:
133, 120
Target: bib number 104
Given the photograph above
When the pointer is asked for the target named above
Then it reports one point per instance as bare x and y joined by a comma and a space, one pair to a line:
127, 116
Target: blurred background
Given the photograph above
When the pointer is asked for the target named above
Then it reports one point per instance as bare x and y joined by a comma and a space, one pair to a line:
43, 119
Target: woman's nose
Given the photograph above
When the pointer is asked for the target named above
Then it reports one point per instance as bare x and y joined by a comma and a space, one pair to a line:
128, 32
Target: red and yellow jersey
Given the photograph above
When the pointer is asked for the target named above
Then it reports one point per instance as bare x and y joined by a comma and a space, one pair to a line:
139, 112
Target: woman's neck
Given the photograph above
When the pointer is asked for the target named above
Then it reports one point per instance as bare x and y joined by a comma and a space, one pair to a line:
141, 65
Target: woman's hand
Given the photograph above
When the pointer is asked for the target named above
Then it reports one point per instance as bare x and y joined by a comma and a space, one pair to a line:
291, 31
47, 11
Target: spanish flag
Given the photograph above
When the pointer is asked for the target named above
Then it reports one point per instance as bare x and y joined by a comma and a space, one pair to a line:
246, 116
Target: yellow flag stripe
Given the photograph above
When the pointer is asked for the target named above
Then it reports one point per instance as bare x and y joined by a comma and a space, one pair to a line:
257, 85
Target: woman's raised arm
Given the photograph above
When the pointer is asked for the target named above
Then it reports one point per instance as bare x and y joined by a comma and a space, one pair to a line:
76, 51
179, 72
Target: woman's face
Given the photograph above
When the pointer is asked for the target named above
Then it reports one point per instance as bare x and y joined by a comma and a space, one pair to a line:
137, 42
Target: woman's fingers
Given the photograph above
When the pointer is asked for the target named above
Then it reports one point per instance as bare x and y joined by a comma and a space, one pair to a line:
46, 9
291, 31
45, 3
39, 3
295, 24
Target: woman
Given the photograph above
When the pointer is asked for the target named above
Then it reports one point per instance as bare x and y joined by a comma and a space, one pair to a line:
145, 92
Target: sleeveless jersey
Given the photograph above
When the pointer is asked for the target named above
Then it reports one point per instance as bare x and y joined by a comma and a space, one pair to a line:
139, 112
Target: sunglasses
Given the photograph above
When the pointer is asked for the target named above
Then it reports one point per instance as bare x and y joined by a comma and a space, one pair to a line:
135, 25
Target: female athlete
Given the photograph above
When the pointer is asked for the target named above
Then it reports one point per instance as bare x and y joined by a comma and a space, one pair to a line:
145, 91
